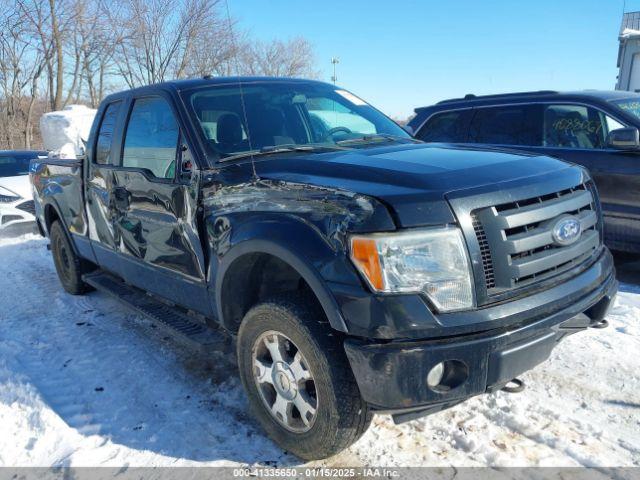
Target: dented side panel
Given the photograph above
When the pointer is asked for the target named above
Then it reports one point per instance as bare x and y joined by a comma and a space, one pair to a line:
331, 212
59, 183
304, 225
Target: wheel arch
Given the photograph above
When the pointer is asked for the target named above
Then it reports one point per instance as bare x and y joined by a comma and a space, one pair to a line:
241, 260
51, 213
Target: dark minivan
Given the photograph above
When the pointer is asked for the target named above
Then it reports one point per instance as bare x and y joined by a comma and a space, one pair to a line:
596, 129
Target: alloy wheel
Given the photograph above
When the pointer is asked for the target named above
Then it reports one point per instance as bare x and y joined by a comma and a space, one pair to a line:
285, 382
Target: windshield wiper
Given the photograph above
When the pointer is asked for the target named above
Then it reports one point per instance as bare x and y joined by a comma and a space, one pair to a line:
272, 149
377, 137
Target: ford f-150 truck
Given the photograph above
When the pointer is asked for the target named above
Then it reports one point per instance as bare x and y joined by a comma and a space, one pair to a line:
354, 269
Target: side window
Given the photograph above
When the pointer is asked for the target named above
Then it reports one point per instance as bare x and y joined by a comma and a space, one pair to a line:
151, 139
105, 134
574, 126
444, 127
611, 124
512, 125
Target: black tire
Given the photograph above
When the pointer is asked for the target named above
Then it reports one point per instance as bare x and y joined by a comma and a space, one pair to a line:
69, 266
341, 416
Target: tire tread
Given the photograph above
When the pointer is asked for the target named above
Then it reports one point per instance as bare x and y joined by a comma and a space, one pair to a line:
353, 415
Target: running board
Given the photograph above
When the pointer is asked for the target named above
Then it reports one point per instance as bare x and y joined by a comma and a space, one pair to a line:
174, 320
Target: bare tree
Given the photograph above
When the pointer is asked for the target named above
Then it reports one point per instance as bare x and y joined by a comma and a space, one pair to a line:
21, 65
216, 49
48, 21
56, 52
95, 43
162, 36
58, 49
277, 58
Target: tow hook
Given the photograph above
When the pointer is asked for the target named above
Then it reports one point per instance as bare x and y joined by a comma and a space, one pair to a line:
600, 324
514, 385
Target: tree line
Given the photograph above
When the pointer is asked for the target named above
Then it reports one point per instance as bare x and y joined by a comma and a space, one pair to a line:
58, 52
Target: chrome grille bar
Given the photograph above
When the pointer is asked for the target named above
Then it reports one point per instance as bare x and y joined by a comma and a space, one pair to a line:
541, 236
548, 259
516, 239
539, 212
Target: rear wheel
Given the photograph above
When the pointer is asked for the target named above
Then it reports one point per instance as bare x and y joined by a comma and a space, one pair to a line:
298, 379
69, 266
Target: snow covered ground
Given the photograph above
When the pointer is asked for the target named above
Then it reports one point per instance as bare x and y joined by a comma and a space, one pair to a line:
85, 382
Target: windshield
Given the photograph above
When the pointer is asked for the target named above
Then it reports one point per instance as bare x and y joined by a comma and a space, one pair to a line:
286, 115
629, 105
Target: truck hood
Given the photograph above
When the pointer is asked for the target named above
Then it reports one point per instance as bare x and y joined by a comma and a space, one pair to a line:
412, 179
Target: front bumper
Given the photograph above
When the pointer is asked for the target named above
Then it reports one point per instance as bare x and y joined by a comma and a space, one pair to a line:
392, 375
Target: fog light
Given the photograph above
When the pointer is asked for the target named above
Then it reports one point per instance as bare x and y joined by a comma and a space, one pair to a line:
434, 377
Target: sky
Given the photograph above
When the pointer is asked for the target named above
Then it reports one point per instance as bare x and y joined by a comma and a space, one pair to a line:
399, 55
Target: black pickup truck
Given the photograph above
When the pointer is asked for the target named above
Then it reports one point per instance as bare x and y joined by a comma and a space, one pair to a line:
355, 270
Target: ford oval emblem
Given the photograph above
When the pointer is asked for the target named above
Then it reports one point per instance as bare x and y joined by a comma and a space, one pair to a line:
566, 231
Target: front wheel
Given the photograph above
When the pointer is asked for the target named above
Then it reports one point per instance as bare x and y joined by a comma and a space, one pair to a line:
298, 379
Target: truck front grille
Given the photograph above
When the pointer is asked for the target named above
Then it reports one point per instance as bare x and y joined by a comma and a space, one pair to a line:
485, 251
516, 239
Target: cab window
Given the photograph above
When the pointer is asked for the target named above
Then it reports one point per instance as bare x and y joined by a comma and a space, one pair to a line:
105, 134
151, 138
444, 127
574, 126
510, 125
611, 123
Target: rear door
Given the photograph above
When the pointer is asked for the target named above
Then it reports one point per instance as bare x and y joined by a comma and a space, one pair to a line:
510, 126
155, 206
99, 184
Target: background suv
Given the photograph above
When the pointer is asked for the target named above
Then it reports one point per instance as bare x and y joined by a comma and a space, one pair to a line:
596, 129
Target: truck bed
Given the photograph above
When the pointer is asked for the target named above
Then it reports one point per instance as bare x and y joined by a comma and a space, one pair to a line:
57, 190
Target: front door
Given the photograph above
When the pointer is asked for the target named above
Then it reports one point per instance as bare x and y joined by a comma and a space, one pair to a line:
155, 208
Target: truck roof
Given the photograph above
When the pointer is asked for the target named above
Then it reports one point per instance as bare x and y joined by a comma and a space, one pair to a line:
211, 80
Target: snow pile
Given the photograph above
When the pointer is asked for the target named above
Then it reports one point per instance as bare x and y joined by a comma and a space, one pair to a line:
630, 33
64, 131
85, 382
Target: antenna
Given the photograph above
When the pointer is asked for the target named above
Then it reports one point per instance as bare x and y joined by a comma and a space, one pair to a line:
334, 61
244, 107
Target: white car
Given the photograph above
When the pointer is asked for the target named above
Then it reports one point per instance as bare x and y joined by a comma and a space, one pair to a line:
16, 202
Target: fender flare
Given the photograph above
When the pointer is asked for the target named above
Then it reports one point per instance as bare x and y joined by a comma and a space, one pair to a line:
306, 271
51, 203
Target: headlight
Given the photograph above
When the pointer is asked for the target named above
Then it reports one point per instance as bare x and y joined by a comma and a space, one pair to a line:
430, 261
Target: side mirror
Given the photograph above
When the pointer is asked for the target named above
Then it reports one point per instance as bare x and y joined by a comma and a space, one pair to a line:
627, 138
